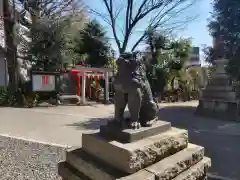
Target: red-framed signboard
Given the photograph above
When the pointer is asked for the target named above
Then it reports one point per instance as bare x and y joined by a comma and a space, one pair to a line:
44, 82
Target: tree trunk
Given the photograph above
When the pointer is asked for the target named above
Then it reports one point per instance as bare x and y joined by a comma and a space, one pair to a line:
11, 49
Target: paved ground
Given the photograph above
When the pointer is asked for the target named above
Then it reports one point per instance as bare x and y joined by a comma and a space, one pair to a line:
62, 125
65, 125
221, 139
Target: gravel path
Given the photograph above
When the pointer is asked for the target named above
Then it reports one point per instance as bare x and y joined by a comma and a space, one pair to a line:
25, 160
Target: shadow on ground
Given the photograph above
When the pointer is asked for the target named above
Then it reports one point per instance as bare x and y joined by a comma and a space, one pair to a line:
91, 124
220, 138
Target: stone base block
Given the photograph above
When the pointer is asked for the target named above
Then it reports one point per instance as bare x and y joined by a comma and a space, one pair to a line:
221, 109
131, 157
172, 166
219, 81
197, 171
129, 135
85, 167
219, 94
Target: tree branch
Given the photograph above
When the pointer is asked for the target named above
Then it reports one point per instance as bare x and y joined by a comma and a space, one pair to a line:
113, 21
138, 41
160, 12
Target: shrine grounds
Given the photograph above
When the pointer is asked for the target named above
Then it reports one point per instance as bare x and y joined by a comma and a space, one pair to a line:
33, 141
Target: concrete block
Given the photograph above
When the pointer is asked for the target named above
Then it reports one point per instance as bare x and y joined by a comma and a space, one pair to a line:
173, 165
131, 157
69, 98
198, 171
129, 135
98, 170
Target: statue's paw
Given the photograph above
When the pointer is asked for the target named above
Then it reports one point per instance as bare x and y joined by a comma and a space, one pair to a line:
135, 125
149, 123
145, 124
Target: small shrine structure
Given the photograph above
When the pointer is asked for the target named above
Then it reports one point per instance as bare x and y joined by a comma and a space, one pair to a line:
83, 73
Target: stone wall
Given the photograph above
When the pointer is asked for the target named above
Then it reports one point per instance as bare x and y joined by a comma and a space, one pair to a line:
28, 160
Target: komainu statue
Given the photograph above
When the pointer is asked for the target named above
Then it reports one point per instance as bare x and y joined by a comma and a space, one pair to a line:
132, 88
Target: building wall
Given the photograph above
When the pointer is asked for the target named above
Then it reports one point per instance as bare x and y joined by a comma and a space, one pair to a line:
194, 59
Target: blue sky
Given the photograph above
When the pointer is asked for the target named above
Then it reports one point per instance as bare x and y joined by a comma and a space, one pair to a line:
197, 29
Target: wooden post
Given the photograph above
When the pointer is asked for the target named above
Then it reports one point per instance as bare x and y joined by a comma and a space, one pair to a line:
79, 84
90, 88
106, 91
83, 88
97, 88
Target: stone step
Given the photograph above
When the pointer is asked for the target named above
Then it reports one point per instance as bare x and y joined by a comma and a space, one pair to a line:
219, 88
220, 76
168, 168
198, 171
174, 165
95, 169
131, 157
219, 94
67, 172
219, 81
129, 135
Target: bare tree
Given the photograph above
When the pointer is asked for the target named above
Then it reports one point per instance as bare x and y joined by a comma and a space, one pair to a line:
11, 49
160, 14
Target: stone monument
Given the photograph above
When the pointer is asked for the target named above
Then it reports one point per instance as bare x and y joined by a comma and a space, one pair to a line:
218, 99
140, 147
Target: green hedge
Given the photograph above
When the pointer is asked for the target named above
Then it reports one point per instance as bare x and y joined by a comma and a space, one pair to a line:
6, 97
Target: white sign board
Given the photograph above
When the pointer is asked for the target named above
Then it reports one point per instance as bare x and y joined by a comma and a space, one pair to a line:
175, 84
45, 83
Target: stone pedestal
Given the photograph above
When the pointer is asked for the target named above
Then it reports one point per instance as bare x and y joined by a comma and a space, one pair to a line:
158, 152
218, 99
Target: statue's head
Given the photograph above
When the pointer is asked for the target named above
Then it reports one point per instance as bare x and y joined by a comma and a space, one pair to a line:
130, 59
131, 65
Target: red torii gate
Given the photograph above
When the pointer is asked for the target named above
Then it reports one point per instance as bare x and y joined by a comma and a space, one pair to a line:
81, 73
